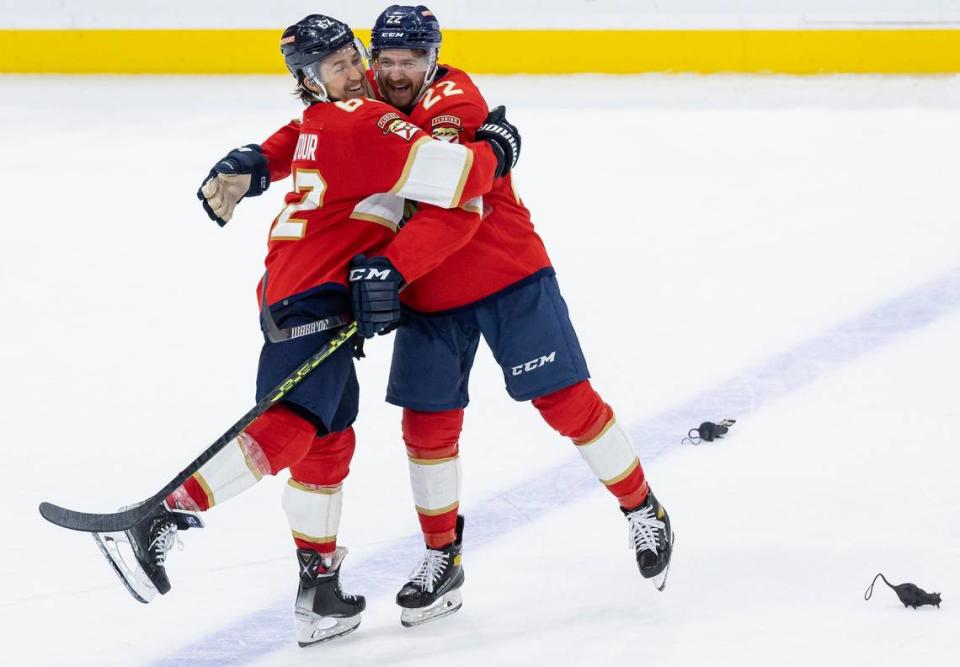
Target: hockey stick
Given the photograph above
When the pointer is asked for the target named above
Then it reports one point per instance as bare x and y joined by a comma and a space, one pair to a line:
277, 335
126, 519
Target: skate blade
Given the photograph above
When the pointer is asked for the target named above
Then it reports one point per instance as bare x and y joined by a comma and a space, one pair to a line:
315, 629
141, 588
660, 580
444, 606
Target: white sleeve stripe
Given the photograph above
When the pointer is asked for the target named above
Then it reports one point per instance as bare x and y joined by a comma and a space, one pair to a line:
463, 178
474, 205
383, 209
436, 173
405, 174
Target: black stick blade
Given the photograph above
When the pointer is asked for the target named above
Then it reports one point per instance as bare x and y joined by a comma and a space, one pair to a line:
126, 519
95, 523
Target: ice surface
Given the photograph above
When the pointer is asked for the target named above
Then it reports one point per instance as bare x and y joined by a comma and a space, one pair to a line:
784, 251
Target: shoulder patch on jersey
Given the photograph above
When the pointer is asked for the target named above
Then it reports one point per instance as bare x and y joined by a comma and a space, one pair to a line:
386, 118
392, 122
446, 119
449, 134
447, 128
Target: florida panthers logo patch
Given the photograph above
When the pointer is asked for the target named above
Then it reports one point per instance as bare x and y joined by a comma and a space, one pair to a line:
446, 128
392, 122
449, 134
402, 129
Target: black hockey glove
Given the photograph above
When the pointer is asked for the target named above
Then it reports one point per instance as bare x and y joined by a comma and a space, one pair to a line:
375, 293
503, 138
243, 172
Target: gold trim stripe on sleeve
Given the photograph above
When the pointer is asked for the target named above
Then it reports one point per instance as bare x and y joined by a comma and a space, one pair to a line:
458, 193
369, 217
474, 205
411, 157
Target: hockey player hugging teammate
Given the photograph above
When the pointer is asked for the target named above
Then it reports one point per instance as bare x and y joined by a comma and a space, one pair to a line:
346, 151
466, 264
500, 285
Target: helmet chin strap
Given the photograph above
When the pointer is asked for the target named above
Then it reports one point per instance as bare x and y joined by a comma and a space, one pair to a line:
323, 95
320, 96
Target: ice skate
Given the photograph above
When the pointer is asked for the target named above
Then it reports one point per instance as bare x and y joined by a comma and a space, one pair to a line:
434, 587
652, 538
138, 555
322, 611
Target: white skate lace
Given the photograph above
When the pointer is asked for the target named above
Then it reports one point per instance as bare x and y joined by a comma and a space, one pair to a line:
645, 529
429, 570
166, 537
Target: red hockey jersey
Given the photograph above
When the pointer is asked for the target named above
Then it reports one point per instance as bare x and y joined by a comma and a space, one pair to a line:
505, 248
353, 163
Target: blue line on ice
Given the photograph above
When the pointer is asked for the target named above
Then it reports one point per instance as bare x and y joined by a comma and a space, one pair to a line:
270, 629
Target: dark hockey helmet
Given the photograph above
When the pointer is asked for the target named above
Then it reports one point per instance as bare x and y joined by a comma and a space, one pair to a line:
307, 42
405, 27
408, 27
312, 39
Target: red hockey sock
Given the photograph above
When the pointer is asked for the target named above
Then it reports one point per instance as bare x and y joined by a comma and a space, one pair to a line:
284, 436
327, 462
432, 440
579, 413
576, 412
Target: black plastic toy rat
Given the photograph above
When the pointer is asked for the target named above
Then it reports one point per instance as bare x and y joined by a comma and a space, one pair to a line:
910, 595
708, 431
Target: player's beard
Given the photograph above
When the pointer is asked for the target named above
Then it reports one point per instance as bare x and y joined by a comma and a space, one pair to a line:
403, 98
351, 92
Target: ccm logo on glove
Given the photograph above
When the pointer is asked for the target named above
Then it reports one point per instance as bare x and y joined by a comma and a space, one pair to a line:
369, 273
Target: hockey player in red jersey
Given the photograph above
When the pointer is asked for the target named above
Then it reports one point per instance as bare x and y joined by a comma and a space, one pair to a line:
343, 155
499, 285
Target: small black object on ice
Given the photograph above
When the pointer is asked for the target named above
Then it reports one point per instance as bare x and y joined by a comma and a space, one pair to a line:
708, 431
910, 595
